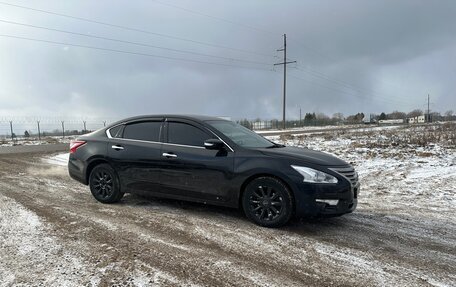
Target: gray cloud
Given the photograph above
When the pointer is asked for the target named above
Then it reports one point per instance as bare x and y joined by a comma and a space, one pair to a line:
353, 56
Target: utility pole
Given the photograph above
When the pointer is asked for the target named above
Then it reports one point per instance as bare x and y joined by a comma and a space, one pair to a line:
85, 128
63, 129
428, 112
39, 131
300, 116
284, 63
11, 128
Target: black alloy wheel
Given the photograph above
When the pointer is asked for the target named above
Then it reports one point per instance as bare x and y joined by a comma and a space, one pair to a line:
104, 184
267, 202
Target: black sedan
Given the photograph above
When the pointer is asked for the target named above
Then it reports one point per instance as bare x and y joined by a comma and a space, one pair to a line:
214, 161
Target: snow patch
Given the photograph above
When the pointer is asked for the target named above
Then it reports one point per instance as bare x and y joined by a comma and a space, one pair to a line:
60, 159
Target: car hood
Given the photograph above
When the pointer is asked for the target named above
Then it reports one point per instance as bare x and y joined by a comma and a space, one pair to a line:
306, 155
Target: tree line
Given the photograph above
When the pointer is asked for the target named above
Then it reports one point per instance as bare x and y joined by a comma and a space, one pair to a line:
320, 119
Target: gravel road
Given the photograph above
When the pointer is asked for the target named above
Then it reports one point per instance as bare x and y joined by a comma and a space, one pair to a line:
53, 233
34, 148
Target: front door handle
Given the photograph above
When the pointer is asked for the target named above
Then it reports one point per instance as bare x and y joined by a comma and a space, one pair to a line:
117, 147
169, 155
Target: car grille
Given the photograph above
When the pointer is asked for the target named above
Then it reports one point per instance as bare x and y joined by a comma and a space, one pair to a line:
349, 172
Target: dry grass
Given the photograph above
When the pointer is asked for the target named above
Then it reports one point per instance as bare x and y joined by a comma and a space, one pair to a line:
421, 141
52, 140
408, 136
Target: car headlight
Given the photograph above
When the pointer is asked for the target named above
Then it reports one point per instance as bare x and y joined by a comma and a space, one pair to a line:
313, 175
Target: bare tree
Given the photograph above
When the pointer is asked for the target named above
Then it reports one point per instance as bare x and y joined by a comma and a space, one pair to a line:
449, 115
338, 116
396, 115
355, 118
322, 116
415, 113
435, 116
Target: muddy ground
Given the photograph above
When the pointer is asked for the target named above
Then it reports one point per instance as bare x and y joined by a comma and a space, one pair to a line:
52, 232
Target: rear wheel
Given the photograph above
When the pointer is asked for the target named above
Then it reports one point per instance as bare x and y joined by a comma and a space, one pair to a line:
104, 184
267, 202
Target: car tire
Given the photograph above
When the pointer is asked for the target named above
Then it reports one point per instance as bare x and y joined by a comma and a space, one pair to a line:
104, 184
268, 202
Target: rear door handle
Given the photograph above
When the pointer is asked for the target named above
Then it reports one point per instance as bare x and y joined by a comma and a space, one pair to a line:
117, 147
169, 155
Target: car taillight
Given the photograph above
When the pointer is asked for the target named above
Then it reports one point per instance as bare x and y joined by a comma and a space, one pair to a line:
74, 145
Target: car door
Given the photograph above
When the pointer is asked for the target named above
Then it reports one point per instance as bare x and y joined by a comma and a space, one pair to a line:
135, 154
191, 171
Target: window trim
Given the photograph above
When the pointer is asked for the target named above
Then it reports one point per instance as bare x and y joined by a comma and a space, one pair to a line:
167, 121
108, 131
161, 136
232, 150
192, 123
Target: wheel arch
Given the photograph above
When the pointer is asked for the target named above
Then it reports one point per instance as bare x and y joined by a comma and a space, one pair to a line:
265, 174
92, 165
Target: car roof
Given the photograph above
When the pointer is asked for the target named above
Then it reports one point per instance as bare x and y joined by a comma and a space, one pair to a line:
184, 117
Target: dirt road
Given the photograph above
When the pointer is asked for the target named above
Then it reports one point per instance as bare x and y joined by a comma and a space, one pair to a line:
34, 148
52, 232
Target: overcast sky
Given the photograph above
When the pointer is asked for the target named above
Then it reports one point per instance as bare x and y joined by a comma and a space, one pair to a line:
352, 56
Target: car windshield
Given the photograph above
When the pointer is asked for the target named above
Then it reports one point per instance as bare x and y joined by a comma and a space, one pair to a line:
241, 135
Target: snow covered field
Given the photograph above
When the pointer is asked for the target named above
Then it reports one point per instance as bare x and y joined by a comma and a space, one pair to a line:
53, 233
59, 159
6, 142
413, 167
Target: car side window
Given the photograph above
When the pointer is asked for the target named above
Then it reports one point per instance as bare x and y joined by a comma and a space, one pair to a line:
185, 134
115, 132
145, 131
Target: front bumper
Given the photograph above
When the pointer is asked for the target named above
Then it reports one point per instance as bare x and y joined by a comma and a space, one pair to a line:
344, 206
318, 200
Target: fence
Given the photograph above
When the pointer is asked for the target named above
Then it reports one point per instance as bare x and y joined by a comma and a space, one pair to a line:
19, 129
276, 124
29, 128
25, 128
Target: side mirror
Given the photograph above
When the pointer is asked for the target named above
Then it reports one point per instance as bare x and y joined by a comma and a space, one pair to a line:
214, 144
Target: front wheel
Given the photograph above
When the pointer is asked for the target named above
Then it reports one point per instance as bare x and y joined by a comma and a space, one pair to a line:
104, 184
267, 202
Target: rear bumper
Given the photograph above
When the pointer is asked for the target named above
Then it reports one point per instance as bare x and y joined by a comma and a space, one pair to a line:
76, 170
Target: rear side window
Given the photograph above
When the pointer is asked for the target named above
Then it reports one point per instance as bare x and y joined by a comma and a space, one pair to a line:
115, 132
145, 131
185, 134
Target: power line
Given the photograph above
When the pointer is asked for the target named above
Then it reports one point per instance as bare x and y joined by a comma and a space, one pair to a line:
135, 29
214, 17
315, 73
128, 52
251, 27
157, 34
332, 59
345, 84
314, 51
321, 85
133, 43
355, 93
317, 52
343, 91
148, 55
